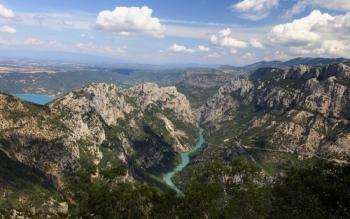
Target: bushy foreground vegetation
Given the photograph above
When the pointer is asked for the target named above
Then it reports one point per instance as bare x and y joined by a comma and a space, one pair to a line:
313, 189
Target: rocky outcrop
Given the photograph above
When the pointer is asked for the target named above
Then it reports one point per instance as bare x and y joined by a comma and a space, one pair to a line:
34, 136
303, 111
167, 97
224, 105
144, 127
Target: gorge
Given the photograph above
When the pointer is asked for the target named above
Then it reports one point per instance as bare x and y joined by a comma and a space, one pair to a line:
106, 137
185, 160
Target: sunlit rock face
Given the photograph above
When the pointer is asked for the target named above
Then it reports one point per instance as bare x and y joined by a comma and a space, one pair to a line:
303, 110
144, 127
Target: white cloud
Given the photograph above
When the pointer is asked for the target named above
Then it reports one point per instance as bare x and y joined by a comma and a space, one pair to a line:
255, 9
203, 48
297, 8
318, 34
301, 5
301, 30
179, 48
333, 47
7, 29
328, 47
256, 44
6, 13
123, 33
130, 20
226, 41
342, 5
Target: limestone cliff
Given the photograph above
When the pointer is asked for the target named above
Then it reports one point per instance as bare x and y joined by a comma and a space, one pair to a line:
302, 111
149, 119
144, 127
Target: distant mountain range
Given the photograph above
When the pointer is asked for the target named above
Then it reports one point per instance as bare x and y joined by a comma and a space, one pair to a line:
59, 77
287, 64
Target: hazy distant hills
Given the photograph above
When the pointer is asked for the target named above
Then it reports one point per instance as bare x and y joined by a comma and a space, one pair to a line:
59, 77
287, 64
56, 80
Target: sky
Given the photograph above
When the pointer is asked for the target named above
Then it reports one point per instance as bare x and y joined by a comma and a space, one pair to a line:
235, 32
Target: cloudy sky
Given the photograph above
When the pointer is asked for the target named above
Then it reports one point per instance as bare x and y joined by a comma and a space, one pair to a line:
233, 32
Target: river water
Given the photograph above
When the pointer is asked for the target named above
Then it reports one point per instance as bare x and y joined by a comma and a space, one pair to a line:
185, 160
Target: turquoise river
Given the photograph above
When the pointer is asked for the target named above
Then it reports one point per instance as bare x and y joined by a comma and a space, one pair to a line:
185, 160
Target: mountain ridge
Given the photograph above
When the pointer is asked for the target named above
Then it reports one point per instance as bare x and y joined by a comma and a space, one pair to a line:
273, 117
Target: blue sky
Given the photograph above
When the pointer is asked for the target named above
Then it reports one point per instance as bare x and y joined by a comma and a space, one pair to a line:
236, 32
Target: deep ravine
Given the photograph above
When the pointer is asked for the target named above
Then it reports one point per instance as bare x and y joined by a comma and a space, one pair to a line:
185, 160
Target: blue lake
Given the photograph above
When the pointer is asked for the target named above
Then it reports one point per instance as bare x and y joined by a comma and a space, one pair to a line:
185, 160
34, 98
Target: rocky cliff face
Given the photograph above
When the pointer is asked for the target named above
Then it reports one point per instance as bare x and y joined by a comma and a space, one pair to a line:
201, 85
144, 127
302, 111
155, 121
224, 104
32, 135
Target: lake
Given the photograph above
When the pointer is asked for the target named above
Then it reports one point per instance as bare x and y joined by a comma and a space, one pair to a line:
35, 98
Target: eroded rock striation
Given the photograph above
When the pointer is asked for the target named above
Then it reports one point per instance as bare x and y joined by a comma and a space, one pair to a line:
144, 127
302, 111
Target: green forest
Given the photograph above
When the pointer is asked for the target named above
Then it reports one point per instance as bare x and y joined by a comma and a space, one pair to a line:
310, 189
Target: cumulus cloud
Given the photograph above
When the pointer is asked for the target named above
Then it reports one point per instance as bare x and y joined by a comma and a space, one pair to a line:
333, 47
6, 12
179, 48
314, 35
226, 41
302, 30
327, 47
203, 48
255, 9
130, 20
256, 44
7, 29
